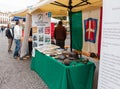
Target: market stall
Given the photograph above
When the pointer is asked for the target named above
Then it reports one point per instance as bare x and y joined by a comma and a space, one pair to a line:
60, 8
59, 75
38, 62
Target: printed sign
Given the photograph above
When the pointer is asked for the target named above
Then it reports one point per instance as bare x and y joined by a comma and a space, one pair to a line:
109, 72
41, 24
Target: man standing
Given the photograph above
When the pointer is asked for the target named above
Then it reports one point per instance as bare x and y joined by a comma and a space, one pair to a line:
9, 34
60, 35
17, 38
2, 29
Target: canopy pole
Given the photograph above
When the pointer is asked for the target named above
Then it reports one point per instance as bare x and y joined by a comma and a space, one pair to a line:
70, 23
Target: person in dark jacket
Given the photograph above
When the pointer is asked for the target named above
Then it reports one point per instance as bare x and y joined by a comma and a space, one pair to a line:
60, 35
2, 29
30, 42
9, 34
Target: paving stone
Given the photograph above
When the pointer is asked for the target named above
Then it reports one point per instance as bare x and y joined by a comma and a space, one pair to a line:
16, 74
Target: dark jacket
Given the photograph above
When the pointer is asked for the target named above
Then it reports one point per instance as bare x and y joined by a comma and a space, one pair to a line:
60, 33
8, 33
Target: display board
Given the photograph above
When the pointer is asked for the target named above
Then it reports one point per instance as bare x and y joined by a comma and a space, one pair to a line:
41, 24
91, 30
86, 31
109, 72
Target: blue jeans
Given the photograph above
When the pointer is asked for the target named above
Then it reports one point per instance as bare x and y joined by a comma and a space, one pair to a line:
17, 48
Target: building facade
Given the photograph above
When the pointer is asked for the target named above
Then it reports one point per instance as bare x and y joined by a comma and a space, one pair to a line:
4, 18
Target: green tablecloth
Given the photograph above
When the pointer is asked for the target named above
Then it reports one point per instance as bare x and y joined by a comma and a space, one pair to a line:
58, 76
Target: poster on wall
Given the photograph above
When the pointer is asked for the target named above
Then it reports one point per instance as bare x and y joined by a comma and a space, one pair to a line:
91, 30
35, 37
41, 24
109, 72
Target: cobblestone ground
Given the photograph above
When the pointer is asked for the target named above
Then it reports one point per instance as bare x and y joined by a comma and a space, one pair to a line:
16, 74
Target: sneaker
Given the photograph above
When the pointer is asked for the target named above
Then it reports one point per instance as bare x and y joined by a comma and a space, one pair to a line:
19, 58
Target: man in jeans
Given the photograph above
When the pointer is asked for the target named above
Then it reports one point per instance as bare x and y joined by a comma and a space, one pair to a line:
17, 37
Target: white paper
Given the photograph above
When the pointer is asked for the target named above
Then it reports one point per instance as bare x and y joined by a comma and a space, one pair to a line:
33, 52
109, 72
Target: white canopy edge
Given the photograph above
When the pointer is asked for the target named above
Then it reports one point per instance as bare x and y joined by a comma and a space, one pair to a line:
40, 4
33, 8
20, 11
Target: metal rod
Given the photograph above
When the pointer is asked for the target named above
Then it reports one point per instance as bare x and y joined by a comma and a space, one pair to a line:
78, 4
58, 5
82, 5
70, 18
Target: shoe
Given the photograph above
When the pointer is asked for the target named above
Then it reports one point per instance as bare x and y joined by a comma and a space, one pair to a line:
9, 51
18, 55
18, 58
15, 57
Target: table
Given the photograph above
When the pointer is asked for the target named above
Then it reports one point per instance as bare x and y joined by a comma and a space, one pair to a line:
59, 76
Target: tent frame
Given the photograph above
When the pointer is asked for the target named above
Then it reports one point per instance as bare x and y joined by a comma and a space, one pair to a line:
70, 7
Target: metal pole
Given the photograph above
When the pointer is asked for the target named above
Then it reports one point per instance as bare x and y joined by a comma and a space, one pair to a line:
70, 18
